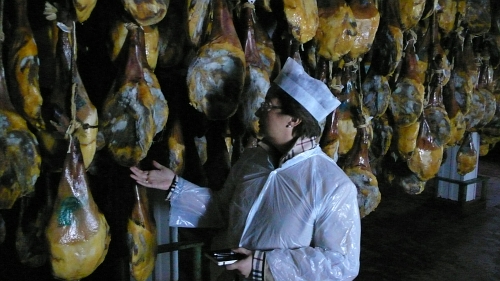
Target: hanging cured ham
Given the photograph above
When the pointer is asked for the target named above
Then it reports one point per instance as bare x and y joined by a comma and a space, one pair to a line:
146, 12
477, 17
330, 137
477, 104
423, 48
175, 142
453, 96
329, 141
435, 112
257, 80
69, 98
337, 29
23, 65
382, 137
447, 16
302, 18
428, 155
141, 236
21, 161
367, 20
484, 89
135, 109
466, 156
197, 20
407, 103
438, 55
347, 110
216, 75
77, 232
357, 168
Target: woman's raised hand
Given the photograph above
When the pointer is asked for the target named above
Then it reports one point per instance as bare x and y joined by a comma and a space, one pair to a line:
159, 179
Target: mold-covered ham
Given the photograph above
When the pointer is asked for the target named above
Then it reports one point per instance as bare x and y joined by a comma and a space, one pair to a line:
216, 75
135, 110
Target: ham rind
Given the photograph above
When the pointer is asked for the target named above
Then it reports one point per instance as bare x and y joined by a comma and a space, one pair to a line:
135, 109
216, 75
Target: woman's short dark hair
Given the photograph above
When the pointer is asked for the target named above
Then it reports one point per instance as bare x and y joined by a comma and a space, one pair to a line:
309, 126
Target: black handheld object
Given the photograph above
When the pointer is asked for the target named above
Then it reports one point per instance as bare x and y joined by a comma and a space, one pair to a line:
224, 256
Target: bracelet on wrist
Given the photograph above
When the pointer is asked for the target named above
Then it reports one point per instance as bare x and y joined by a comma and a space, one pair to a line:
171, 188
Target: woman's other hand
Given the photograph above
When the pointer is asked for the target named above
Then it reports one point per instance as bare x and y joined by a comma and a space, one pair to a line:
244, 266
159, 179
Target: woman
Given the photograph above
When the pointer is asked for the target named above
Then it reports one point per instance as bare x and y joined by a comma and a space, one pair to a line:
285, 204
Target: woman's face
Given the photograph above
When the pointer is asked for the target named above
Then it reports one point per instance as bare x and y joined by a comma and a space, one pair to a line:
272, 122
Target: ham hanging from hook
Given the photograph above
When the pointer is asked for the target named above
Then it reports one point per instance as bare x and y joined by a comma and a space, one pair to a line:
135, 109
23, 65
466, 156
216, 75
357, 168
260, 58
77, 232
141, 236
69, 98
21, 160
428, 155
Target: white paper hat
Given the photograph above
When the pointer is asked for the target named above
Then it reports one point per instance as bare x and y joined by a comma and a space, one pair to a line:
311, 93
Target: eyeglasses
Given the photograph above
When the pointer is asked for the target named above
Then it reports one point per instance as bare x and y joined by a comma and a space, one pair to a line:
267, 106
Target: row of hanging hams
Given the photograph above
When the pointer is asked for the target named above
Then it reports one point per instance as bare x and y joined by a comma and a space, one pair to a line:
413, 77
